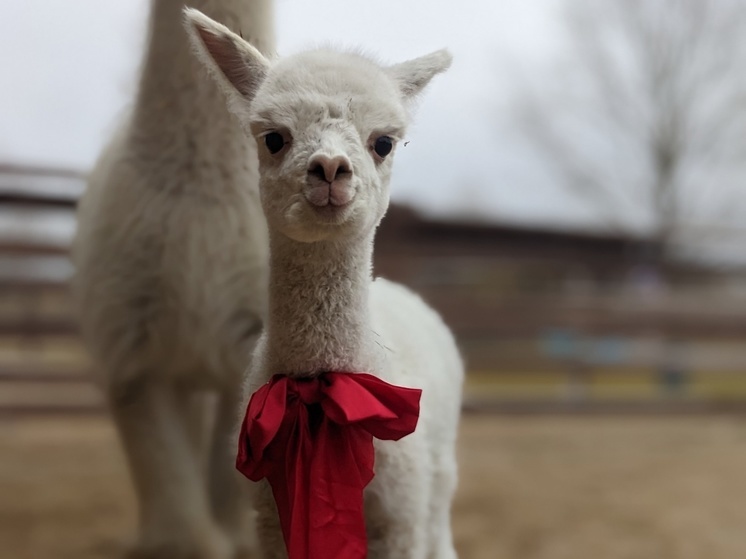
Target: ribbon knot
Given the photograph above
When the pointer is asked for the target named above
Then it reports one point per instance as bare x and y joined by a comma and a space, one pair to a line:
313, 441
308, 391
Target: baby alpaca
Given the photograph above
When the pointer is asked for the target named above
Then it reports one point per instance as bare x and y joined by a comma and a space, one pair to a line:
171, 269
327, 124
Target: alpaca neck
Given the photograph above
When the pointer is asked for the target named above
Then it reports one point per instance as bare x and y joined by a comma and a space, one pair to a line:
319, 317
176, 107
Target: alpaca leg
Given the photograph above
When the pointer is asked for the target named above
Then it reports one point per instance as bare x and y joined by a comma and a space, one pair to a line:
229, 492
175, 520
443, 488
268, 527
198, 411
397, 515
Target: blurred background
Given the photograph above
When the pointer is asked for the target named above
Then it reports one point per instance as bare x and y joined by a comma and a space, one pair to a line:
571, 199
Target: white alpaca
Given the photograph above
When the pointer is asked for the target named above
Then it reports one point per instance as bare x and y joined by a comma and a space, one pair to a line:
171, 269
327, 123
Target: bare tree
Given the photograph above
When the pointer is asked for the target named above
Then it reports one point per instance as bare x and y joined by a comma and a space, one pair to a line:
647, 117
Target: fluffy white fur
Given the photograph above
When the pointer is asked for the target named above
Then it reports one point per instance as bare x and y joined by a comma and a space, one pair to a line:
323, 195
171, 266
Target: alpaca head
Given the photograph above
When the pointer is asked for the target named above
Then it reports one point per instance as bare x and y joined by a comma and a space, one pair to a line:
326, 123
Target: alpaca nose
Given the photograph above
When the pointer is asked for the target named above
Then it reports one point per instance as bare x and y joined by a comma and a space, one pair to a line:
329, 169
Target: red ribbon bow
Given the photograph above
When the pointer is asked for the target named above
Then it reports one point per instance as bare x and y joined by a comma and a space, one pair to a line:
313, 441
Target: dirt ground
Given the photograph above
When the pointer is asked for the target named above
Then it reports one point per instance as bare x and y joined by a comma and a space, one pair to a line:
531, 488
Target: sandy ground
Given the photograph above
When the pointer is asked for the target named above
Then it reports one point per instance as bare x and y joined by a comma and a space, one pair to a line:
531, 488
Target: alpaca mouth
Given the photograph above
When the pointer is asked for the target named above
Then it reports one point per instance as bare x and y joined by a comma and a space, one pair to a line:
333, 213
324, 194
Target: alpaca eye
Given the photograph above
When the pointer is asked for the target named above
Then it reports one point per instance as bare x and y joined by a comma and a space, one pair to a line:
383, 146
274, 142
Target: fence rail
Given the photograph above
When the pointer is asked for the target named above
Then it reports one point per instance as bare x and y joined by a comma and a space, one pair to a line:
36, 321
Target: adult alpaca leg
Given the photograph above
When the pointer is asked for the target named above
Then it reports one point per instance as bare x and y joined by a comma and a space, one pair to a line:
199, 412
229, 495
175, 517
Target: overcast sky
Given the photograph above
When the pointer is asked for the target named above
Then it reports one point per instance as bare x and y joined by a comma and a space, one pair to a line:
69, 73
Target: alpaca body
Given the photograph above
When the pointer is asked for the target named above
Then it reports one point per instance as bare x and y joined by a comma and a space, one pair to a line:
327, 123
407, 505
170, 281
327, 314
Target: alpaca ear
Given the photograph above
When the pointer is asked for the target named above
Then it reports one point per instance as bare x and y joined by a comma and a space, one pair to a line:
413, 75
237, 66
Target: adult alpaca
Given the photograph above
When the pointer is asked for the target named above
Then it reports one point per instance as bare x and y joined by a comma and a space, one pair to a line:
326, 124
170, 259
